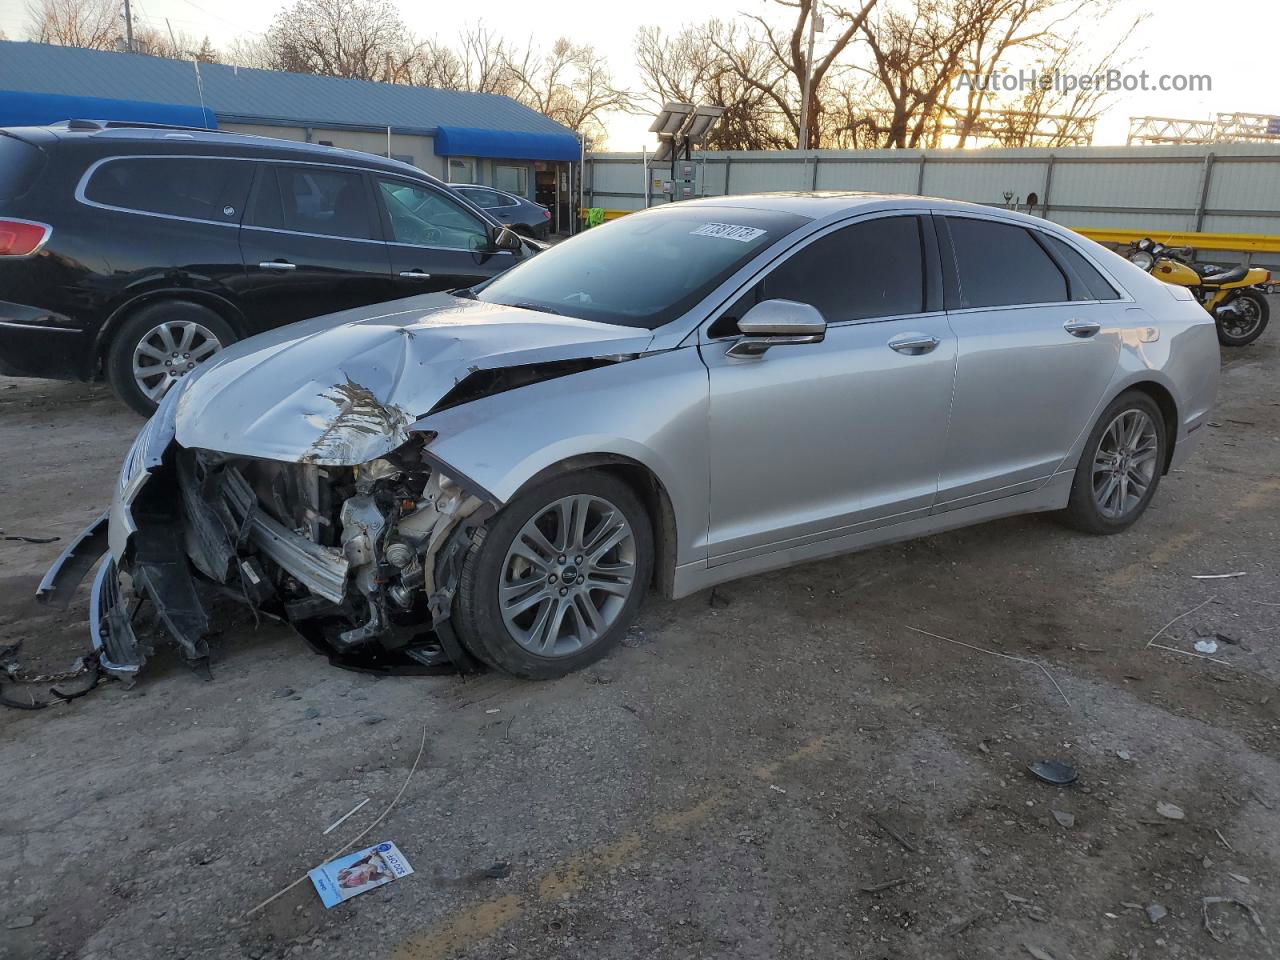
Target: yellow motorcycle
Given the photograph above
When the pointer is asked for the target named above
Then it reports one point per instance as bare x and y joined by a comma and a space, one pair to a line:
1232, 296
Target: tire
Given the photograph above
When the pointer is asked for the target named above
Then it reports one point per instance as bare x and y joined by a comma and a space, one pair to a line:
1095, 506
1241, 334
161, 326
512, 641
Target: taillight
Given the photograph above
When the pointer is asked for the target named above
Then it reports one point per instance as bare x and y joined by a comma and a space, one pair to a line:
22, 238
546, 214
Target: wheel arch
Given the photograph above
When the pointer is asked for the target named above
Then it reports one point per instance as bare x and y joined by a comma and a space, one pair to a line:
646, 485
220, 305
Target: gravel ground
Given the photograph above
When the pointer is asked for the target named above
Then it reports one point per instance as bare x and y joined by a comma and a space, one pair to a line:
788, 771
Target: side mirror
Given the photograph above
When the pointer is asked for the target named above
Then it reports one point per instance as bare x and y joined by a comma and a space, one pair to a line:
507, 239
778, 323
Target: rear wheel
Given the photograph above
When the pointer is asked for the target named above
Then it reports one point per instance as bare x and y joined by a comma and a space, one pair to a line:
159, 345
1246, 320
555, 580
1120, 467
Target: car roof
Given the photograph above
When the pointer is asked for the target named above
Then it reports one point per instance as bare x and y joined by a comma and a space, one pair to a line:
99, 131
831, 204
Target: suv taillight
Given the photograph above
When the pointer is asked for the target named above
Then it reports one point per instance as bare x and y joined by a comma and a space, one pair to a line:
22, 238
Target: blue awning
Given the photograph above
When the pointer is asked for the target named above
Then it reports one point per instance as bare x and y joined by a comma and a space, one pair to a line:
505, 144
19, 109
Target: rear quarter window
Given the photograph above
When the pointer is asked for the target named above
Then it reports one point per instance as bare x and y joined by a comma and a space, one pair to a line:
195, 188
1083, 273
20, 166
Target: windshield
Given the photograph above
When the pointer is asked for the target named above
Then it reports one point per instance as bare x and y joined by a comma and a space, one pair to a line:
642, 270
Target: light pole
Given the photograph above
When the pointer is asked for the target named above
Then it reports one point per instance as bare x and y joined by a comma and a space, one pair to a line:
128, 27
808, 78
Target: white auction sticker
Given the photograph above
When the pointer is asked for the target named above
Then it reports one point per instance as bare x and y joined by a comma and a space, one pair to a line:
727, 231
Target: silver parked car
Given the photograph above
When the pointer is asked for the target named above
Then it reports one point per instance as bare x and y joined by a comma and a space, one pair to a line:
690, 394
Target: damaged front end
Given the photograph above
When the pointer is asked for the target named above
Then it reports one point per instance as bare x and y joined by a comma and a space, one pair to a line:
362, 560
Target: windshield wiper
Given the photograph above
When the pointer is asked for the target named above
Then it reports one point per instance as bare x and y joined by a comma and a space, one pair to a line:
540, 308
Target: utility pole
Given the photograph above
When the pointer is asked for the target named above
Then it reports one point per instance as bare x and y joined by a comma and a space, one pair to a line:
128, 27
808, 77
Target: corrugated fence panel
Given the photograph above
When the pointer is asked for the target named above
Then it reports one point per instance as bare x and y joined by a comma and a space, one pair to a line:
1128, 184
878, 176
983, 182
767, 176
1244, 185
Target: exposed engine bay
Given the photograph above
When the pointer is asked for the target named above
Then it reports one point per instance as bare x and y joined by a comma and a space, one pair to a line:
362, 560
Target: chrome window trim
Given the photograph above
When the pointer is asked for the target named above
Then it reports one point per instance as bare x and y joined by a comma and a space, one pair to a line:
423, 246
317, 236
799, 243
48, 232
994, 217
92, 168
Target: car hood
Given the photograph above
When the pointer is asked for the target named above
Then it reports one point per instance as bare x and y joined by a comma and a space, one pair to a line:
343, 389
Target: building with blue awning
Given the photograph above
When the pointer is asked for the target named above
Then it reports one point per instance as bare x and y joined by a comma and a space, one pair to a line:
458, 136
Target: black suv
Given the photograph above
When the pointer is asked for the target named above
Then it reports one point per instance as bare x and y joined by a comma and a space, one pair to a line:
136, 252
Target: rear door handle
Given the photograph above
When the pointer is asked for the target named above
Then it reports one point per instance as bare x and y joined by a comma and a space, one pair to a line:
1082, 328
281, 265
914, 344
415, 275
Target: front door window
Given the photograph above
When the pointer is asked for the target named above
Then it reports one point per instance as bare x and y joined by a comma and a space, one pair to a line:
424, 217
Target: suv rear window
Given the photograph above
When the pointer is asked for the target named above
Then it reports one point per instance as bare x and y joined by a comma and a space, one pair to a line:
197, 188
20, 165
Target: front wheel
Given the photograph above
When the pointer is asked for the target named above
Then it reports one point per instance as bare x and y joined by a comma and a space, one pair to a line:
1247, 317
1120, 467
555, 579
159, 345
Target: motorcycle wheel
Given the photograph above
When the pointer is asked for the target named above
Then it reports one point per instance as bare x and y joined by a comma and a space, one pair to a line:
1241, 329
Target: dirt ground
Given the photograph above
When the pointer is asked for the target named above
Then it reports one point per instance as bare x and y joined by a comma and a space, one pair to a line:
736, 782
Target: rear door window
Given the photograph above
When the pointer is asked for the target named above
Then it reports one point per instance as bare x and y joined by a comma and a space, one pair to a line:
488, 199
194, 188
1093, 285
1001, 264
327, 203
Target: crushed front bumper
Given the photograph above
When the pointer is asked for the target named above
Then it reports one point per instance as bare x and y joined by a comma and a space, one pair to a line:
185, 525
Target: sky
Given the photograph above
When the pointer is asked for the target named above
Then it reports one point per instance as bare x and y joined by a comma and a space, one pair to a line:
1237, 52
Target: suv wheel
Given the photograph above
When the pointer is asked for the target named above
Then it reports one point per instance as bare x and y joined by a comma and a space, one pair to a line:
555, 579
160, 344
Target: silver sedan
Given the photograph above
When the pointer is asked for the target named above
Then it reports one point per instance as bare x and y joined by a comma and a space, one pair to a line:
690, 394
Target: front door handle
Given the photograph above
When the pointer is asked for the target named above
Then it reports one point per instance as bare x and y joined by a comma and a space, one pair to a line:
1082, 328
281, 265
914, 344
415, 275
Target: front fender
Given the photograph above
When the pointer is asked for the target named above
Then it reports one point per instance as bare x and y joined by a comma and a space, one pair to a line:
652, 410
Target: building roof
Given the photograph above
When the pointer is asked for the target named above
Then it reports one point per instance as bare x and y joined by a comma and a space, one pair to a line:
237, 94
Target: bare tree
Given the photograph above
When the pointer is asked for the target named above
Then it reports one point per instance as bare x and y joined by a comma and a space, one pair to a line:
74, 23
361, 39
690, 67
570, 83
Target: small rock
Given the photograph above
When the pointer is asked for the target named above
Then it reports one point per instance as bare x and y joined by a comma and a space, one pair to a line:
1206, 646
17, 923
281, 693
1156, 913
310, 713
1123, 755
1064, 819
1170, 811
373, 720
982, 745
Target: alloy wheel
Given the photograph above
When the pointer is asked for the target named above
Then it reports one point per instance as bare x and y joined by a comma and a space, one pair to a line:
1124, 466
168, 352
567, 575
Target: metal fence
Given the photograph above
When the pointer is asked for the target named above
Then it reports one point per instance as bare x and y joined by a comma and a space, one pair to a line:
1231, 190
